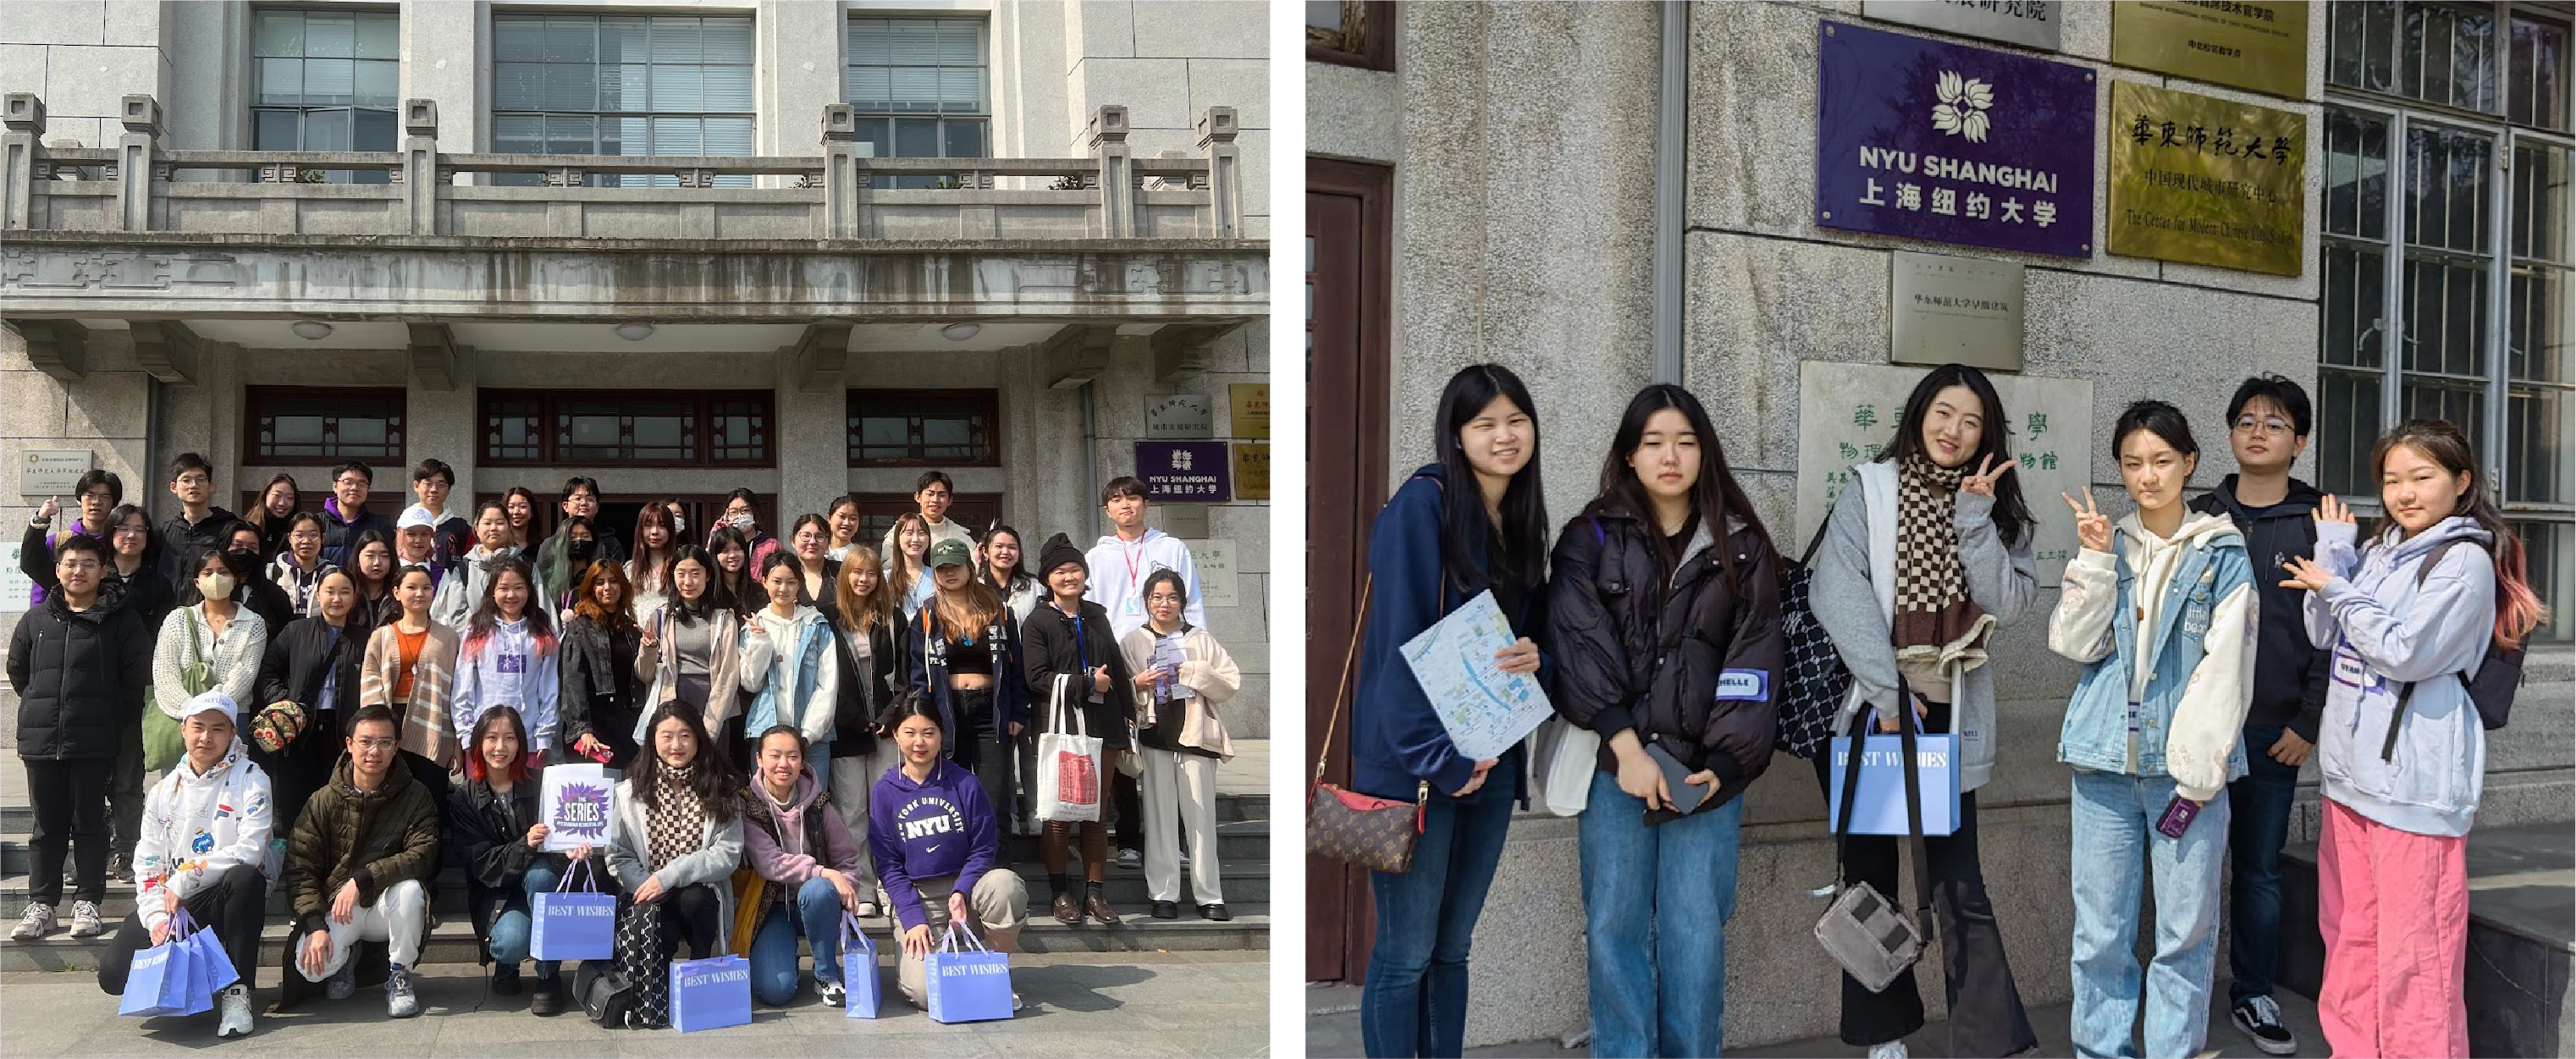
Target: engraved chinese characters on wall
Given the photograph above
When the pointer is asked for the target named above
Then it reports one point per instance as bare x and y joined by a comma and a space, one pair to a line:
1849, 414
1953, 144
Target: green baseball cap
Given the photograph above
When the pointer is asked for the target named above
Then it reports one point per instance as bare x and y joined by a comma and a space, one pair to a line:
951, 552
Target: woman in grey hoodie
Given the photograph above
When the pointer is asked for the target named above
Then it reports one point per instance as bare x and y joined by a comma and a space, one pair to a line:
2401, 749
1919, 563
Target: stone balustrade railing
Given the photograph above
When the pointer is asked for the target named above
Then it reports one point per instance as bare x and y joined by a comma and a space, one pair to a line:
829, 196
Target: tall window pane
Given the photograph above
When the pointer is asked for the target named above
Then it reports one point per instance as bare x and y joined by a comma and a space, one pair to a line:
2447, 203
2359, 39
625, 85
920, 89
325, 81
2536, 73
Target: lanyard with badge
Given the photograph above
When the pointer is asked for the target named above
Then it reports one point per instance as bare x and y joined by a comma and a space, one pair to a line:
1135, 603
1082, 654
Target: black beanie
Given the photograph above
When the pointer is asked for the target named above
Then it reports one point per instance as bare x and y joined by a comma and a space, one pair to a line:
1059, 550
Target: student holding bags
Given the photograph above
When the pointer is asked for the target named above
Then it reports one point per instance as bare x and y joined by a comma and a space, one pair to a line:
1472, 521
1664, 608
495, 817
2438, 598
2159, 609
1070, 637
214, 792
809, 867
938, 847
674, 846
1914, 568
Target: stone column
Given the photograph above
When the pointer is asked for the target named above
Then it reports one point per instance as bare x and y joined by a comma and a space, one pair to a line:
135, 169
21, 147
1224, 176
1108, 136
419, 174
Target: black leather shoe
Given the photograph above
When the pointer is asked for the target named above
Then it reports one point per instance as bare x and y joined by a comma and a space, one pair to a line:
1167, 910
1215, 912
548, 999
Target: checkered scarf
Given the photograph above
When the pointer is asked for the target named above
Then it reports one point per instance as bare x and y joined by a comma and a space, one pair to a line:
1936, 623
676, 824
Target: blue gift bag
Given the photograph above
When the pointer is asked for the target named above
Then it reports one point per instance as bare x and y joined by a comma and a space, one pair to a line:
971, 984
710, 994
211, 958
159, 980
858, 971
1879, 807
572, 925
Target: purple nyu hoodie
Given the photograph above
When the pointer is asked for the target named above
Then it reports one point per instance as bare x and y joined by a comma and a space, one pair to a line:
929, 829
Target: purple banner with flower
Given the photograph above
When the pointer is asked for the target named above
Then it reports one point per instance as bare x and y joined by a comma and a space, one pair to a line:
1953, 144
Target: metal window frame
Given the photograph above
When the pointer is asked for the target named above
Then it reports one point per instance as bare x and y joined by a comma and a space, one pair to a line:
256, 407
702, 405
493, 28
987, 402
2564, 17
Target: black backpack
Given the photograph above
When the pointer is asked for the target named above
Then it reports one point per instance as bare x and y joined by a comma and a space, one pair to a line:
2491, 690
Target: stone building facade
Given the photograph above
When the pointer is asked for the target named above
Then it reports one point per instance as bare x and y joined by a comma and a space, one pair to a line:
805, 248
1518, 145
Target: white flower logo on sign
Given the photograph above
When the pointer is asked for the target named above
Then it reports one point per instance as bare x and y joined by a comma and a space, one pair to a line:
1962, 110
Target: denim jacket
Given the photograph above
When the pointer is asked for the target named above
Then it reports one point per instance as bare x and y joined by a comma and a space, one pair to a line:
2185, 717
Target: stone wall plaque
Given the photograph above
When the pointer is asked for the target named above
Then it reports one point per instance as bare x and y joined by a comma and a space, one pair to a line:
1251, 412
2205, 180
1848, 415
53, 473
1252, 470
1947, 309
1180, 415
2261, 46
1187, 471
1215, 559
2031, 23
15, 585
1953, 144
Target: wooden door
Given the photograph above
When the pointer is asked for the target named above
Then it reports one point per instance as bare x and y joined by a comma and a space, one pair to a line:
1347, 384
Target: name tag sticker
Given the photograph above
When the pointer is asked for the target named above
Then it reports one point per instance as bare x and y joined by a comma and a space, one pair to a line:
1751, 685
2348, 670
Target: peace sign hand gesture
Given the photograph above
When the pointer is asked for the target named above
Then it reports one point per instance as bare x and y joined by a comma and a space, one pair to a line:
2091, 526
2333, 510
1982, 483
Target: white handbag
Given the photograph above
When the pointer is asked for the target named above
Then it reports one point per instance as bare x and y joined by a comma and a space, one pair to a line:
1565, 755
1069, 772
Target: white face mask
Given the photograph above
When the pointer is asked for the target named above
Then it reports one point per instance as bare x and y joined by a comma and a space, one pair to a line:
679, 525
739, 521
215, 586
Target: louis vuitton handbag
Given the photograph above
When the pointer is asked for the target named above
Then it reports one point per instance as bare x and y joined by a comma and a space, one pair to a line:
1357, 829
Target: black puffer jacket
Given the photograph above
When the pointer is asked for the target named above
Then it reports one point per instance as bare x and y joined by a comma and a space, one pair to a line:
80, 677
1693, 665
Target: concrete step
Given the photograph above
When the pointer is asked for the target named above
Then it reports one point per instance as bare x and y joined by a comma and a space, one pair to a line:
1243, 880
453, 940
2522, 936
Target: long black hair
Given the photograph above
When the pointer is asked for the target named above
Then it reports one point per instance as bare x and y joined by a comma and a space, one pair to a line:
2012, 513
1520, 547
716, 597
1714, 497
711, 777
487, 613
243, 565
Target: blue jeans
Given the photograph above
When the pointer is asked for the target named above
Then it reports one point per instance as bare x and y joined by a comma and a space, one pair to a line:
2259, 805
1415, 1001
773, 951
510, 931
2114, 820
1655, 905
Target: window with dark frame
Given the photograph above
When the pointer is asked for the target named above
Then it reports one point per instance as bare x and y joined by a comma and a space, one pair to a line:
622, 85
2445, 295
925, 428
302, 426
1351, 33
918, 88
629, 428
325, 81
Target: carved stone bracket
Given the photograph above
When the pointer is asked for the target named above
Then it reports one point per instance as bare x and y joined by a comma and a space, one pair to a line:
167, 350
59, 348
436, 360
820, 358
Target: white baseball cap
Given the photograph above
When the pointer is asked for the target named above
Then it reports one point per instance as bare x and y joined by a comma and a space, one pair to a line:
416, 515
211, 702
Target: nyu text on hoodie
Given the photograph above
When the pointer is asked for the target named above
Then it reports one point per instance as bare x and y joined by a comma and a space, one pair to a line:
2386, 631
1119, 569
2208, 718
923, 830
511, 667
197, 826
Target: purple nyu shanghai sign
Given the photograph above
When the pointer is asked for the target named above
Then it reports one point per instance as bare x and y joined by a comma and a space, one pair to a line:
1190, 471
1925, 140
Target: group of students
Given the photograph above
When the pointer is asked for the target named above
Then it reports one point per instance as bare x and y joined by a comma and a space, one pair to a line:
2222, 640
801, 730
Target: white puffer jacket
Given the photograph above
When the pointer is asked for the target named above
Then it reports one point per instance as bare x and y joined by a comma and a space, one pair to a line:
196, 826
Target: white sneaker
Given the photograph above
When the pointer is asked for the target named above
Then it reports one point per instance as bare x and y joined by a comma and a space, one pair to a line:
236, 1012
402, 1000
85, 921
1890, 1050
38, 922
867, 910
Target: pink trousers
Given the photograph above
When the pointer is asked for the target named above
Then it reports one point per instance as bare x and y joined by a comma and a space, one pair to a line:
2393, 907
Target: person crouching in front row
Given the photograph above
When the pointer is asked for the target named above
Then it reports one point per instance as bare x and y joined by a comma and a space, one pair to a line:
355, 864
497, 819
221, 799
939, 848
796, 841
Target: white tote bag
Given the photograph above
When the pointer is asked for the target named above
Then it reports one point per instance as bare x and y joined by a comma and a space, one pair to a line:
1069, 772
1565, 755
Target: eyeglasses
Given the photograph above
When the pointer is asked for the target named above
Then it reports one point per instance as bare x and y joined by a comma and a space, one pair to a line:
2268, 424
377, 744
349, 480
80, 565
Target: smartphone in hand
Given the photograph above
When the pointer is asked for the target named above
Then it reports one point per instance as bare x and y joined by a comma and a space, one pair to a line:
1687, 797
